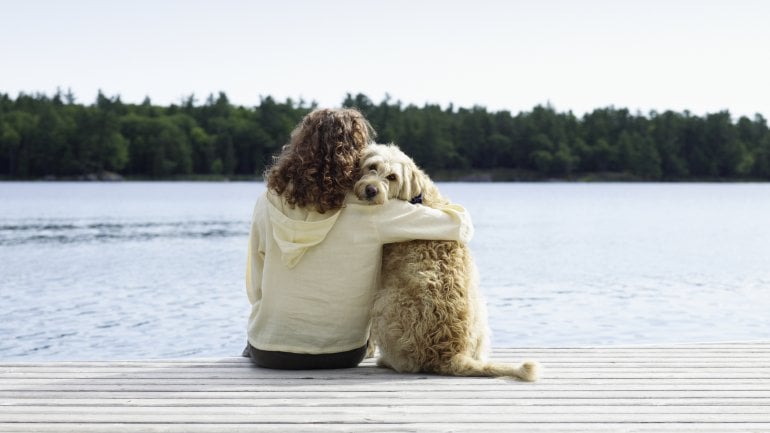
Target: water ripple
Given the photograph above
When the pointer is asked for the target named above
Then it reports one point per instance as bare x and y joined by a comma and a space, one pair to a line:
75, 233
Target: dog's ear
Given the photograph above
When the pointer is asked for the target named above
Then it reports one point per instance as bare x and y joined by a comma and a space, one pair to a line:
412, 183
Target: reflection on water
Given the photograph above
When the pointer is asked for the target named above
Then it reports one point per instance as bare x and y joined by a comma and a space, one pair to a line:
148, 270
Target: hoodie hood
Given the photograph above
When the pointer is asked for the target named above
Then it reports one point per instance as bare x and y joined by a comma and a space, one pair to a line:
295, 229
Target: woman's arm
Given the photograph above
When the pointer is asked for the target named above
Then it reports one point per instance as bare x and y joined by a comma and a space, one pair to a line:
255, 261
399, 221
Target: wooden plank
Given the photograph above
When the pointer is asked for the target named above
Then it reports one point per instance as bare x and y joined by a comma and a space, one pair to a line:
109, 368
260, 372
564, 359
344, 416
545, 358
605, 386
701, 387
368, 400
480, 394
710, 350
550, 427
553, 373
438, 382
404, 411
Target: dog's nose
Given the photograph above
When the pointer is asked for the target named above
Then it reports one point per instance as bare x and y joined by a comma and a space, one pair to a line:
370, 191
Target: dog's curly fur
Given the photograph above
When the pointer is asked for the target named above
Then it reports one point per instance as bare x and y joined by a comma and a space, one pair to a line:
428, 315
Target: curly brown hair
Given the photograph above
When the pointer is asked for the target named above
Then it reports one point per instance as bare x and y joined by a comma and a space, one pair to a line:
319, 165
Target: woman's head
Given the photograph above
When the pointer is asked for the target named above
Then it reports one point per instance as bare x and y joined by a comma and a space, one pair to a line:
319, 165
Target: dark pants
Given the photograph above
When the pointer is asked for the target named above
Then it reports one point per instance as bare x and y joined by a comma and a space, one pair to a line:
304, 361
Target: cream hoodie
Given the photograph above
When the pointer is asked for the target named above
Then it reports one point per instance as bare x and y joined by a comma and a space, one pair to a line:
311, 277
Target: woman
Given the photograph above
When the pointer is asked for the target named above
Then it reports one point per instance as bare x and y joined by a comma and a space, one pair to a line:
314, 251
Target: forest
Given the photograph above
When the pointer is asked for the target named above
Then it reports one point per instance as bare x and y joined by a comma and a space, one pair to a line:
55, 137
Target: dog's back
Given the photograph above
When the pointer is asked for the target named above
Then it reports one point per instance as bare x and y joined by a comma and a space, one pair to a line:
429, 301
428, 317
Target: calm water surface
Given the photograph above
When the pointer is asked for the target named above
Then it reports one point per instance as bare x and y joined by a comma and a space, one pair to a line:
148, 270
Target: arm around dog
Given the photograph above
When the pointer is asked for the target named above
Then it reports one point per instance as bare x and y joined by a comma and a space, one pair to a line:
399, 221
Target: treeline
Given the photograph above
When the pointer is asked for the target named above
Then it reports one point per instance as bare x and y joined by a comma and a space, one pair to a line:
55, 136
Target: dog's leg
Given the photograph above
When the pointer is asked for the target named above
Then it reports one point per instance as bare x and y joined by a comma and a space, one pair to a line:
464, 365
382, 363
371, 348
400, 363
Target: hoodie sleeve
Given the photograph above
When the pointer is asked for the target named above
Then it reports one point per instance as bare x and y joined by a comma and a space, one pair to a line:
255, 258
399, 221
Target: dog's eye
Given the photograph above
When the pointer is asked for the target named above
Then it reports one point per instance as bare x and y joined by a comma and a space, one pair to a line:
373, 167
392, 177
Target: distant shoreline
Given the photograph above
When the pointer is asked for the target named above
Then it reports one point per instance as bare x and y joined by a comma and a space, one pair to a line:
42, 137
497, 175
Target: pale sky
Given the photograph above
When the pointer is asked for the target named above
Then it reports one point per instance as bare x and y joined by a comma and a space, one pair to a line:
704, 56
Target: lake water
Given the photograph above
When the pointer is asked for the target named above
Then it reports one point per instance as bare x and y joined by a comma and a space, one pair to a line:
147, 270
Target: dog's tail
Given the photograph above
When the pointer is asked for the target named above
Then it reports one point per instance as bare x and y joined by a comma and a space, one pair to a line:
465, 365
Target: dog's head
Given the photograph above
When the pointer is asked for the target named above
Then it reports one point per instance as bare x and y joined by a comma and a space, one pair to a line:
388, 173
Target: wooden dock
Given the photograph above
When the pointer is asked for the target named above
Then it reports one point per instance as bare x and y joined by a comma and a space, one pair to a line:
684, 388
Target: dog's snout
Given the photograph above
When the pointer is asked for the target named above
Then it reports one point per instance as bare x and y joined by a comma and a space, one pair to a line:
370, 191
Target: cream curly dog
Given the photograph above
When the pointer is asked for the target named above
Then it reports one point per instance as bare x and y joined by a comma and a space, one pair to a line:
428, 315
